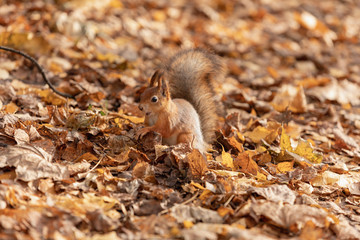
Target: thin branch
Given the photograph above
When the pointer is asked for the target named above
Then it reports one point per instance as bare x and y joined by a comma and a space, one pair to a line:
39, 68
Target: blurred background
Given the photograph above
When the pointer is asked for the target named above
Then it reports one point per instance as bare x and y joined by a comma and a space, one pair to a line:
113, 46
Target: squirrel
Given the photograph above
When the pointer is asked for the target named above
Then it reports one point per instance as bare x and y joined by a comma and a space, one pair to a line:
182, 107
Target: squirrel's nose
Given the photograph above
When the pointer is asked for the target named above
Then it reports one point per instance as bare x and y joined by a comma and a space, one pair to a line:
141, 108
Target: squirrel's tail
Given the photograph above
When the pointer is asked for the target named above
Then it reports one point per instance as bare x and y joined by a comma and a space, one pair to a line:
191, 75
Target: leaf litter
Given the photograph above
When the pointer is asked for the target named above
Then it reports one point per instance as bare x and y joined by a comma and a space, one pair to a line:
286, 160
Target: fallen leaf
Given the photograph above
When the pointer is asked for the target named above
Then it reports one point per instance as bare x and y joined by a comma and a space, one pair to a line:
311, 232
21, 137
276, 193
343, 92
286, 216
284, 167
226, 159
11, 108
354, 188
291, 98
195, 214
245, 164
31, 163
197, 164
262, 133
303, 148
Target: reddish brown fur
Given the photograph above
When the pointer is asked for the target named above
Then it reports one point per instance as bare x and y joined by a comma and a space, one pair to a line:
191, 115
191, 75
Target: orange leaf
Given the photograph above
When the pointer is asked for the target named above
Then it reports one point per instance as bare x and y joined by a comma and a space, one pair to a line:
11, 108
87, 156
222, 211
245, 164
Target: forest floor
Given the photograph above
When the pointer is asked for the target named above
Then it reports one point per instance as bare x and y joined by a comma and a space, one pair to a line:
286, 161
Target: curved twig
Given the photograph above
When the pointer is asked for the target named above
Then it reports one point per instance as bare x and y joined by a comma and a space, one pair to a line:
39, 68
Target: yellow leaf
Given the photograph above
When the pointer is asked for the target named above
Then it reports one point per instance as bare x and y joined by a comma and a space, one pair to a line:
159, 16
116, 4
28, 42
197, 185
284, 167
285, 143
188, 224
132, 119
240, 136
257, 134
175, 231
260, 176
205, 194
227, 160
305, 150
118, 123
346, 106
50, 97
110, 57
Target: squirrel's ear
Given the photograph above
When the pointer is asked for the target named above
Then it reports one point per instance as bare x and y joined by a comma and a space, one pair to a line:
164, 87
159, 80
154, 78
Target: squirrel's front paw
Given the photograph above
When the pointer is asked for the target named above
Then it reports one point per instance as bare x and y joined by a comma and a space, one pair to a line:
141, 132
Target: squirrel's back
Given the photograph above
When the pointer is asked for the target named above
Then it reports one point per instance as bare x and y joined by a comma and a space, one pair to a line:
191, 75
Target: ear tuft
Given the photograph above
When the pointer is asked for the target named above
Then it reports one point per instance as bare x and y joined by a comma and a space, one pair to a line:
154, 78
164, 88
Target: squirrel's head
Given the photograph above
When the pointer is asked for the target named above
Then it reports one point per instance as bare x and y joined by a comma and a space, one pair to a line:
155, 98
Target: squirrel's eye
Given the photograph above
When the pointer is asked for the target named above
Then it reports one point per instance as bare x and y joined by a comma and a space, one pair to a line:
154, 99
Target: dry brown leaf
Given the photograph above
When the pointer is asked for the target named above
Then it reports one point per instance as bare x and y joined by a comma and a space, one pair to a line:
195, 214
46, 186
287, 216
32, 163
79, 167
21, 137
343, 92
245, 163
260, 133
276, 193
354, 188
197, 164
291, 98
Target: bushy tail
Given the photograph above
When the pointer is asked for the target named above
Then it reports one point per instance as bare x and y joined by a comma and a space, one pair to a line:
191, 75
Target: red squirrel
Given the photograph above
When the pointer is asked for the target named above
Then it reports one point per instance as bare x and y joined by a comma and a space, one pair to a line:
180, 102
